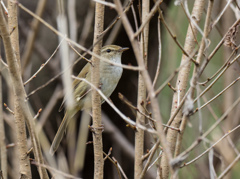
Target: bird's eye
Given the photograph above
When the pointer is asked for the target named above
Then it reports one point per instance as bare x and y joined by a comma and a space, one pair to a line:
108, 50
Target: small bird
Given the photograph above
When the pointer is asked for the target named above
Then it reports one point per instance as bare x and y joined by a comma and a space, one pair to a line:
109, 78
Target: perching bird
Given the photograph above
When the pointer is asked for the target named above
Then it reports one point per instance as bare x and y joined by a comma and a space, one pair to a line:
109, 78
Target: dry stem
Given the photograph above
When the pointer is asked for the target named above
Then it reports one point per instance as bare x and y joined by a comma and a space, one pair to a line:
96, 101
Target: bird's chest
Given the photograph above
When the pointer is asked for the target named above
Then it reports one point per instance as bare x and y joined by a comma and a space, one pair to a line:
109, 79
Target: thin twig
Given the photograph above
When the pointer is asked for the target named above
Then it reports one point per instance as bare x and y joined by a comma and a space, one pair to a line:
221, 68
214, 81
7, 108
173, 75
159, 53
152, 152
193, 20
220, 93
74, 43
111, 5
224, 136
229, 167
146, 77
148, 18
125, 118
32, 34
175, 39
3, 63
4, 7
221, 13
109, 153
186, 12
120, 168
43, 65
199, 139
116, 164
117, 18
44, 85
203, 66
54, 170
75, 50
38, 113
125, 100
87, 25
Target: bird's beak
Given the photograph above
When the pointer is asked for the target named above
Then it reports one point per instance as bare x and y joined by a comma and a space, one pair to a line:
123, 49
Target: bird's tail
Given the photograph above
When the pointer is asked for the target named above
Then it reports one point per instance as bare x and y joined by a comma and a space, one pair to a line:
60, 133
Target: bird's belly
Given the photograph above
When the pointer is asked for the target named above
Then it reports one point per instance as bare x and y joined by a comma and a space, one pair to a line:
109, 80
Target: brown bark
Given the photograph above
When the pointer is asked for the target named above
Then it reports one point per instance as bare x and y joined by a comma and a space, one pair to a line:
21, 107
96, 102
195, 75
145, 74
139, 136
181, 84
3, 149
25, 169
226, 150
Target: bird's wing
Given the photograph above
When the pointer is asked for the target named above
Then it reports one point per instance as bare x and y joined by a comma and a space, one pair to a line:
78, 85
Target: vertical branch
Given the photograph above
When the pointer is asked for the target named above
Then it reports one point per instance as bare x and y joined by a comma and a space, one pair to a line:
72, 19
230, 95
195, 74
146, 77
139, 136
224, 148
96, 101
159, 52
3, 149
24, 165
13, 27
21, 107
62, 24
182, 82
